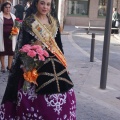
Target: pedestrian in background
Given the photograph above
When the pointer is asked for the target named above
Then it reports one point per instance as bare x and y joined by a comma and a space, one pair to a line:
12, 7
52, 96
6, 45
19, 10
115, 21
28, 4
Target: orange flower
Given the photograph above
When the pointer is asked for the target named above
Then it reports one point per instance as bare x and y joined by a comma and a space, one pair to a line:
31, 76
14, 31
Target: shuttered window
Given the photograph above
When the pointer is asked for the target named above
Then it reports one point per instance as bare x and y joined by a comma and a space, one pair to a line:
102, 8
78, 7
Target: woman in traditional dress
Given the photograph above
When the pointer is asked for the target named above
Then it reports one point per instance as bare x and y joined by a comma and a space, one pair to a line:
7, 46
53, 97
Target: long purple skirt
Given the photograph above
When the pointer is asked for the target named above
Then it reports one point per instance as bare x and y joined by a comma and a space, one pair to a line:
31, 106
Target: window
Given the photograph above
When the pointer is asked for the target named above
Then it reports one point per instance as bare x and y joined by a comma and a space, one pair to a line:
78, 7
102, 8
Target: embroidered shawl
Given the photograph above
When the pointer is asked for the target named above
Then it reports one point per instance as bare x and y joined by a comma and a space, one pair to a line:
53, 76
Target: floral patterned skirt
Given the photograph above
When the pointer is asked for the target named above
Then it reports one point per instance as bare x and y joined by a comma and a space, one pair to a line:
31, 106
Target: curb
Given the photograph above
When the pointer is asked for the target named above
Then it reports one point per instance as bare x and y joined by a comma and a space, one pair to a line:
65, 33
117, 36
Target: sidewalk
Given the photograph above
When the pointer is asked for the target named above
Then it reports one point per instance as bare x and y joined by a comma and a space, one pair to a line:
117, 36
92, 102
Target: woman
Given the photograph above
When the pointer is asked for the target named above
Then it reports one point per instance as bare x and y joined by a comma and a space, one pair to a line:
53, 97
6, 45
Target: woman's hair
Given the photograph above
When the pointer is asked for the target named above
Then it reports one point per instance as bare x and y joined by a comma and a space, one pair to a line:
4, 4
32, 9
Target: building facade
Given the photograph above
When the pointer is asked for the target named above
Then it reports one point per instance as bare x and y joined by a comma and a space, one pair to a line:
80, 12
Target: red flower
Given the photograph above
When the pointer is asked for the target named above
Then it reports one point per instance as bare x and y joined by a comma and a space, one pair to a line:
17, 19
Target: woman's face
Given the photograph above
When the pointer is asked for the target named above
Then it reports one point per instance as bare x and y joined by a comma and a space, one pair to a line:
7, 9
43, 6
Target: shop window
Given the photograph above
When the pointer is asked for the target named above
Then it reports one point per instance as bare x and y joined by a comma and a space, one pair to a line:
78, 7
102, 8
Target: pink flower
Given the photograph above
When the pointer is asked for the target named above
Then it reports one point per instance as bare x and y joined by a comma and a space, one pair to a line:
25, 48
34, 51
42, 58
27, 45
39, 51
45, 53
36, 47
31, 53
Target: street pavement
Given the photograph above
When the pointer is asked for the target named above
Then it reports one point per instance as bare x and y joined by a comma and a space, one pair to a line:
93, 103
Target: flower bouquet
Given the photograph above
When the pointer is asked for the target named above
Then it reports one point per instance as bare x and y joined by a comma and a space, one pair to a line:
15, 28
32, 57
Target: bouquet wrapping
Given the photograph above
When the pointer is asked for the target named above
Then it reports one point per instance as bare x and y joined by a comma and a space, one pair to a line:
33, 57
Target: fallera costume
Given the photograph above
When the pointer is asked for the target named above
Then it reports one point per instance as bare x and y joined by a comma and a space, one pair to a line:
53, 98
